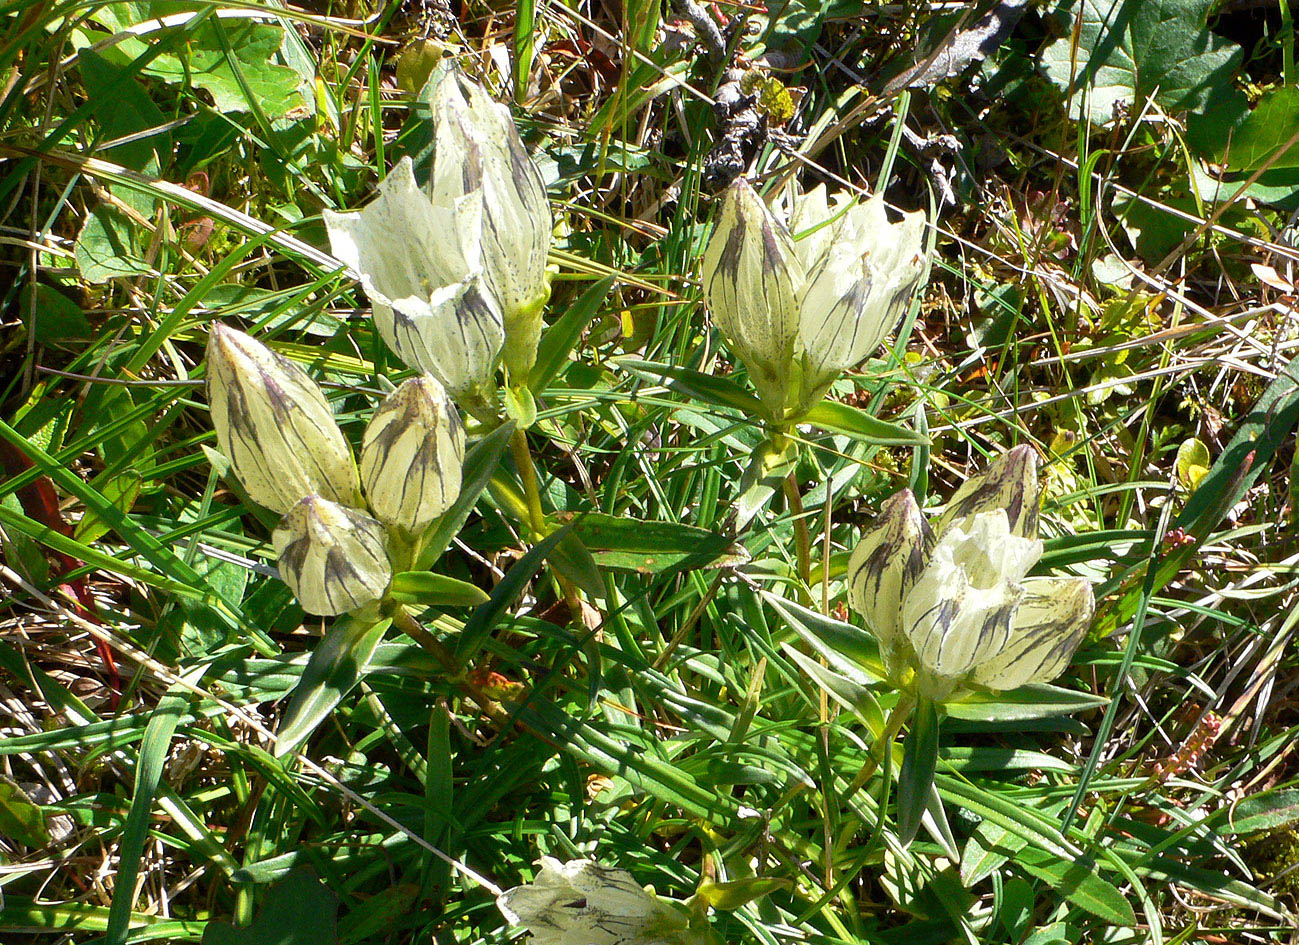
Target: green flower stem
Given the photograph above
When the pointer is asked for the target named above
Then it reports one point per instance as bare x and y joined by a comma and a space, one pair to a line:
802, 537
528, 473
897, 717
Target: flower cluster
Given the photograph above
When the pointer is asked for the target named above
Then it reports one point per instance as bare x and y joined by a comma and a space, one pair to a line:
274, 425
456, 272
951, 605
798, 312
583, 903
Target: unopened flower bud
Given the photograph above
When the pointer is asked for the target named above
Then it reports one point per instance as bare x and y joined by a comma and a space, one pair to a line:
274, 425
411, 455
752, 276
333, 558
476, 147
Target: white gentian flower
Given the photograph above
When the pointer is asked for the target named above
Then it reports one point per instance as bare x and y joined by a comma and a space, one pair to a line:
421, 265
584, 903
956, 606
274, 425
412, 454
333, 558
476, 147
798, 312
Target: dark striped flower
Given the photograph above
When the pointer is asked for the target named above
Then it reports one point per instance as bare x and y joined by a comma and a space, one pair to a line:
411, 455
956, 606
274, 425
333, 558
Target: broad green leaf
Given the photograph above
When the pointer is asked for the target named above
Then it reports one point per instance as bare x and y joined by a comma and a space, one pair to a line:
1131, 50
124, 111
108, 246
336, 665
1079, 882
52, 317
919, 761
233, 60
298, 910
1264, 137
426, 589
1193, 463
844, 418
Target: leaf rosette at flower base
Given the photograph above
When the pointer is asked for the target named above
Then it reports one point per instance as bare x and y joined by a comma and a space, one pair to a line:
798, 312
952, 606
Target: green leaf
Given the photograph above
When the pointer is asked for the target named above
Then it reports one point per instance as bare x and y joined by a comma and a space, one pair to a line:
1078, 882
121, 491
298, 910
426, 589
108, 246
561, 338
718, 391
482, 621
20, 818
1266, 811
124, 110
1193, 463
234, 61
653, 547
1266, 132
919, 762
335, 667
1132, 50
52, 317
1034, 701
148, 772
842, 418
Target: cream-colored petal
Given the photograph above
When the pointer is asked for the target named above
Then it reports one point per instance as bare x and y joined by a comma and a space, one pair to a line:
858, 290
1045, 631
889, 556
333, 558
958, 613
1010, 482
752, 278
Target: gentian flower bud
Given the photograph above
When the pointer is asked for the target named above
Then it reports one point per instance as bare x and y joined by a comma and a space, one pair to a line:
333, 558
274, 425
411, 455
